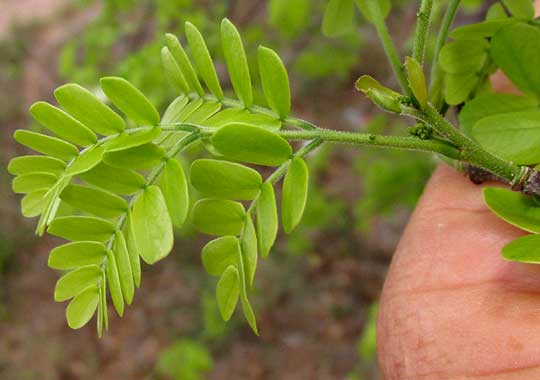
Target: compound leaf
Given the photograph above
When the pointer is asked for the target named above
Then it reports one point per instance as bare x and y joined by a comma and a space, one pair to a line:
219, 254
267, 219
223, 179
294, 197
81, 228
218, 217
51, 146
152, 225
228, 291
174, 186
77, 254
517, 209
130, 100
275, 81
74, 282
81, 309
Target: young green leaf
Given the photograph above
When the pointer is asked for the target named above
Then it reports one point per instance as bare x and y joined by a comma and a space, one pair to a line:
51, 146
121, 256
94, 201
115, 288
521, 66
81, 309
219, 254
484, 29
77, 254
275, 81
116, 180
126, 141
152, 225
267, 219
33, 203
463, 56
74, 282
235, 57
338, 18
133, 250
85, 161
183, 62
223, 179
228, 291
218, 217
417, 80
248, 244
373, 8
523, 9
526, 249
295, 191
173, 72
175, 110
145, 156
86, 107
251, 144
203, 60
459, 87
514, 136
62, 124
36, 164
384, 97
174, 186
130, 100
81, 228
28, 183
491, 104
517, 209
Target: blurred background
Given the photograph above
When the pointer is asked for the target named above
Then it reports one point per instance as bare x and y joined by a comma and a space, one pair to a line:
315, 296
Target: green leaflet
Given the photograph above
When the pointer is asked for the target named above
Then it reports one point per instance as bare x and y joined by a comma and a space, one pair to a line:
374, 9
235, 57
94, 201
31, 182
115, 288
228, 291
248, 245
36, 164
122, 259
251, 144
86, 107
520, 8
77, 254
493, 104
517, 209
130, 100
184, 64
275, 81
384, 97
496, 11
174, 186
240, 115
145, 156
103, 301
223, 179
173, 72
246, 306
218, 217
459, 87
203, 60
175, 110
526, 249
51, 146
516, 50
85, 161
484, 29
289, 16
131, 140
514, 136
81, 309
81, 228
152, 225
206, 110
294, 196
417, 80
267, 219
33, 203
74, 282
463, 56
133, 250
219, 254
62, 124
338, 18
116, 180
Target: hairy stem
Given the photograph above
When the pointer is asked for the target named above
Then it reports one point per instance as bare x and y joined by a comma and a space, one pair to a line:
422, 30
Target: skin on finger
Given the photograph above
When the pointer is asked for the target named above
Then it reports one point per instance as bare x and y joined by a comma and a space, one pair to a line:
452, 308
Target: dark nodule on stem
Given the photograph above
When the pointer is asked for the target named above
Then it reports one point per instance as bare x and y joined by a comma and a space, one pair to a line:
478, 175
531, 184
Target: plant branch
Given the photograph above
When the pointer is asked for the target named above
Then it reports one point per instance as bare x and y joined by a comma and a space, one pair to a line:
422, 30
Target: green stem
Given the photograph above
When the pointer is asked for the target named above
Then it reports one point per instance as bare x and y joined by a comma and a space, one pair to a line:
436, 73
422, 30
